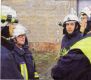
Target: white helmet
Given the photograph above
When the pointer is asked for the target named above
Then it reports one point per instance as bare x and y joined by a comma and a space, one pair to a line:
70, 17
19, 30
87, 11
7, 15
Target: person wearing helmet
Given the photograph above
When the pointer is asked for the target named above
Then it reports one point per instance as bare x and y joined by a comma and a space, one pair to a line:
76, 63
71, 31
8, 67
22, 55
85, 20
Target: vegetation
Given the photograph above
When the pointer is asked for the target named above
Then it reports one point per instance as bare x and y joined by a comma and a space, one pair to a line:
44, 63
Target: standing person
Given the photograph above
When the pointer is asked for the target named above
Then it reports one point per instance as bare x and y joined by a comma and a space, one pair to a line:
85, 20
8, 66
76, 64
71, 31
22, 56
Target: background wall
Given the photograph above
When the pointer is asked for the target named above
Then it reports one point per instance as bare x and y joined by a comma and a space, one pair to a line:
41, 18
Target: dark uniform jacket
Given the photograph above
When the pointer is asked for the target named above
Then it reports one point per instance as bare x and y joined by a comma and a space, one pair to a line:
24, 56
8, 66
73, 66
68, 41
12, 57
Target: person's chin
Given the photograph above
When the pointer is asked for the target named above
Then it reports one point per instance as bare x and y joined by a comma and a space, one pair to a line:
22, 43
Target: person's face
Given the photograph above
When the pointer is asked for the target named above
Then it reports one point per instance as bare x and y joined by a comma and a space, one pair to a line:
11, 29
70, 26
20, 39
83, 22
83, 18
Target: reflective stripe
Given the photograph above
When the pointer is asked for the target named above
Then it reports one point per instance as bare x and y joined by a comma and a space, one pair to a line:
3, 17
36, 75
13, 20
63, 52
24, 71
85, 46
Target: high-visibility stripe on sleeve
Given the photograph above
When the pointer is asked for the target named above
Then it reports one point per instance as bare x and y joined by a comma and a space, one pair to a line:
24, 71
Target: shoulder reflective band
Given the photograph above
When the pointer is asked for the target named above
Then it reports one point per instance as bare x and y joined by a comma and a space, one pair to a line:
24, 71
85, 46
36, 75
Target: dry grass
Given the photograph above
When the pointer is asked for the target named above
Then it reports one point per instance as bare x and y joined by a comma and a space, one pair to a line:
44, 62
45, 56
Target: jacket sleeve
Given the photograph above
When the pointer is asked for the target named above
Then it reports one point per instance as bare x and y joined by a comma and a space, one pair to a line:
8, 67
32, 63
36, 75
69, 65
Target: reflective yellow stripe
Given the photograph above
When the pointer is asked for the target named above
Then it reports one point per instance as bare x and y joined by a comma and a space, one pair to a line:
3, 17
13, 20
85, 46
63, 52
24, 71
36, 75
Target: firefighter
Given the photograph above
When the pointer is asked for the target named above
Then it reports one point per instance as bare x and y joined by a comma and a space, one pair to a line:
71, 31
76, 64
85, 20
8, 67
22, 56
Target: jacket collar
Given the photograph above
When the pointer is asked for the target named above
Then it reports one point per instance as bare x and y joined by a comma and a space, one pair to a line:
7, 44
19, 51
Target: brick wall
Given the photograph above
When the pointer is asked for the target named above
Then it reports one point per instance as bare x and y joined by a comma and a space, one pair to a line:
45, 47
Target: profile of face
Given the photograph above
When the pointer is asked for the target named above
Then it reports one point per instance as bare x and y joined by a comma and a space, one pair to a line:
11, 29
70, 26
83, 22
84, 18
20, 40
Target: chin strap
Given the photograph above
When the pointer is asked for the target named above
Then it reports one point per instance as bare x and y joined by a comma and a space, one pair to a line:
5, 38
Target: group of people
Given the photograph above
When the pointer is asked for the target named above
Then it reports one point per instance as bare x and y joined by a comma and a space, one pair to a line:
75, 56
16, 59
75, 60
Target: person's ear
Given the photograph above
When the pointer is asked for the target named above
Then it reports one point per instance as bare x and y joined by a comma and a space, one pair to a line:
15, 40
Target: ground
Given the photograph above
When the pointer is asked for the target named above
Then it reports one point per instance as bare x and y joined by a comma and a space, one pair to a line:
44, 63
